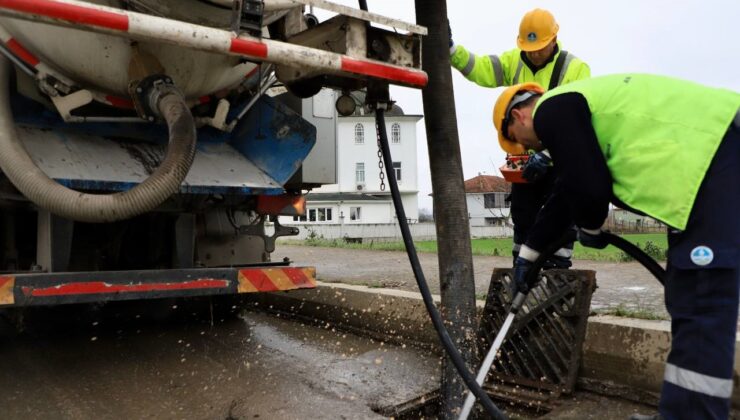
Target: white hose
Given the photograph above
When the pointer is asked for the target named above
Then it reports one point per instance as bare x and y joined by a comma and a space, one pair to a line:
46, 193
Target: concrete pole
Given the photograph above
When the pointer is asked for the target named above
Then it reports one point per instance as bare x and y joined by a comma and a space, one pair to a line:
450, 209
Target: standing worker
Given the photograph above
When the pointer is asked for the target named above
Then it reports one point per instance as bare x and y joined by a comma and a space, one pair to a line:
669, 149
539, 58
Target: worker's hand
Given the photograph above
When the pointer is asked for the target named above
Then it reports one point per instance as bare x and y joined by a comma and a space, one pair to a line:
519, 283
592, 238
536, 167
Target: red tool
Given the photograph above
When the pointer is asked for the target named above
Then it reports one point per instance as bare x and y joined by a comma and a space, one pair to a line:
512, 170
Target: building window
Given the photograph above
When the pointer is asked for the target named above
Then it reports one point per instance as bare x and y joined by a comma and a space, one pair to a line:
300, 218
321, 214
396, 133
359, 134
397, 170
495, 221
354, 213
495, 200
360, 172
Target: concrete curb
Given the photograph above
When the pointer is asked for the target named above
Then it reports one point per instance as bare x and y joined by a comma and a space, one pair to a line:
627, 352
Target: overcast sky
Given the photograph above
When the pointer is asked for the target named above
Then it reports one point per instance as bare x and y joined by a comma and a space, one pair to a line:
691, 39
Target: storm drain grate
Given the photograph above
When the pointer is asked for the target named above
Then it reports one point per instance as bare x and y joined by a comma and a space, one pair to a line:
542, 351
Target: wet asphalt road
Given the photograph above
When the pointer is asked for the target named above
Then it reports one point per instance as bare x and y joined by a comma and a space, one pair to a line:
180, 360
183, 360
153, 360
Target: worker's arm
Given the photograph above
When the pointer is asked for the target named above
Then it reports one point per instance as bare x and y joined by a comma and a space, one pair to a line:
484, 70
584, 187
553, 220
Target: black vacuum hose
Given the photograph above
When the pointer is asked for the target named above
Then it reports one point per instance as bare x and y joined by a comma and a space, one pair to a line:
631, 249
444, 336
638, 254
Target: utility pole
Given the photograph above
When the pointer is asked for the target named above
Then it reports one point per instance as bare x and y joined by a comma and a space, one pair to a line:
450, 210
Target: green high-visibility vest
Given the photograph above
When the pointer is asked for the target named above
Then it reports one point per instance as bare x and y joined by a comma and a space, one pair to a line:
658, 135
508, 68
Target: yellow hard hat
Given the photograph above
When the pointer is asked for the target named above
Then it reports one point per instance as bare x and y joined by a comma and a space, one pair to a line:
504, 103
537, 29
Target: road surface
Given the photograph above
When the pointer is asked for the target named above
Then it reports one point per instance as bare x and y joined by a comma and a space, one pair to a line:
627, 284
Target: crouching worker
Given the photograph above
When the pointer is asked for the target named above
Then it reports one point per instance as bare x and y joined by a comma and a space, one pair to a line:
669, 149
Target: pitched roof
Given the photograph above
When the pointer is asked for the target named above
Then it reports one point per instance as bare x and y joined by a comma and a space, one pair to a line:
486, 183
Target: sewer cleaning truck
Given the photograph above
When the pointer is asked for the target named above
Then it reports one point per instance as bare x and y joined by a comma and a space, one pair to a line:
142, 153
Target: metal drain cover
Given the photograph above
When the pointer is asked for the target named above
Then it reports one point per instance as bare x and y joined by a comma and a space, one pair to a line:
542, 351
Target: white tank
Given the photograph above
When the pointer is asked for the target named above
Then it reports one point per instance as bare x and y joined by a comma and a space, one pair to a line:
101, 62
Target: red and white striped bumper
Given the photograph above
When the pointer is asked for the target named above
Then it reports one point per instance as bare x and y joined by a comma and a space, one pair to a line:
60, 288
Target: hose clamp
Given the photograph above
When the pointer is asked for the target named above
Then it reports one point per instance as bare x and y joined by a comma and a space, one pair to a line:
146, 94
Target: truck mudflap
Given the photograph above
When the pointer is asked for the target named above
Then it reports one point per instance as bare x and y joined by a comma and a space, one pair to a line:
60, 288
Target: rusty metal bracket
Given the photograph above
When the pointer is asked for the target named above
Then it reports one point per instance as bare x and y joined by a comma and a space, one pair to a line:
543, 349
258, 229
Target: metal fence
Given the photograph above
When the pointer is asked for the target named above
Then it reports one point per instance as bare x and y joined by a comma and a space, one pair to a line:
635, 226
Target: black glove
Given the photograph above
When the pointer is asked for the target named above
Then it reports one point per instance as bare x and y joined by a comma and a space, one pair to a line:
449, 31
519, 283
536, 167
592, 238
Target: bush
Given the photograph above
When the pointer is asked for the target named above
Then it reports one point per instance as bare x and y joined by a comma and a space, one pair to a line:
313, 238
654, 251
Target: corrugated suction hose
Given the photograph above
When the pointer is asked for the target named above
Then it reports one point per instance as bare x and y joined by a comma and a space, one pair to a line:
46, 193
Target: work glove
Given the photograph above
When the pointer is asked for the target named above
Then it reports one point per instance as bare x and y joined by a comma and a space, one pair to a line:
536, 167
519, 283
592, 238
449, 32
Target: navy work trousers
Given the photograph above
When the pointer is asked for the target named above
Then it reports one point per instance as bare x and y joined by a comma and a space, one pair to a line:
526, 202
701, 294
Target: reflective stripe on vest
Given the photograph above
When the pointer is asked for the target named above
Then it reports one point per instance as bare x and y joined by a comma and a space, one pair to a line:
518, 70
698, 382
469, 66
568, 58
498, 69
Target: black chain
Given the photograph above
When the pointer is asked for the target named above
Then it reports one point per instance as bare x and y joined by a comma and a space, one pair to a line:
380, 160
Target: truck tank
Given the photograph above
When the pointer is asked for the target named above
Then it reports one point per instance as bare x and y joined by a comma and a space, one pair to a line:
103, 62
142, 154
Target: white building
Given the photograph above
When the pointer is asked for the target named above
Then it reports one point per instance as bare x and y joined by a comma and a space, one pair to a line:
356, 198
486, 199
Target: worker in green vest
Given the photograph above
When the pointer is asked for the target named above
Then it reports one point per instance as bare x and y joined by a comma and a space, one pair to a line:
666, 148
539, 58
